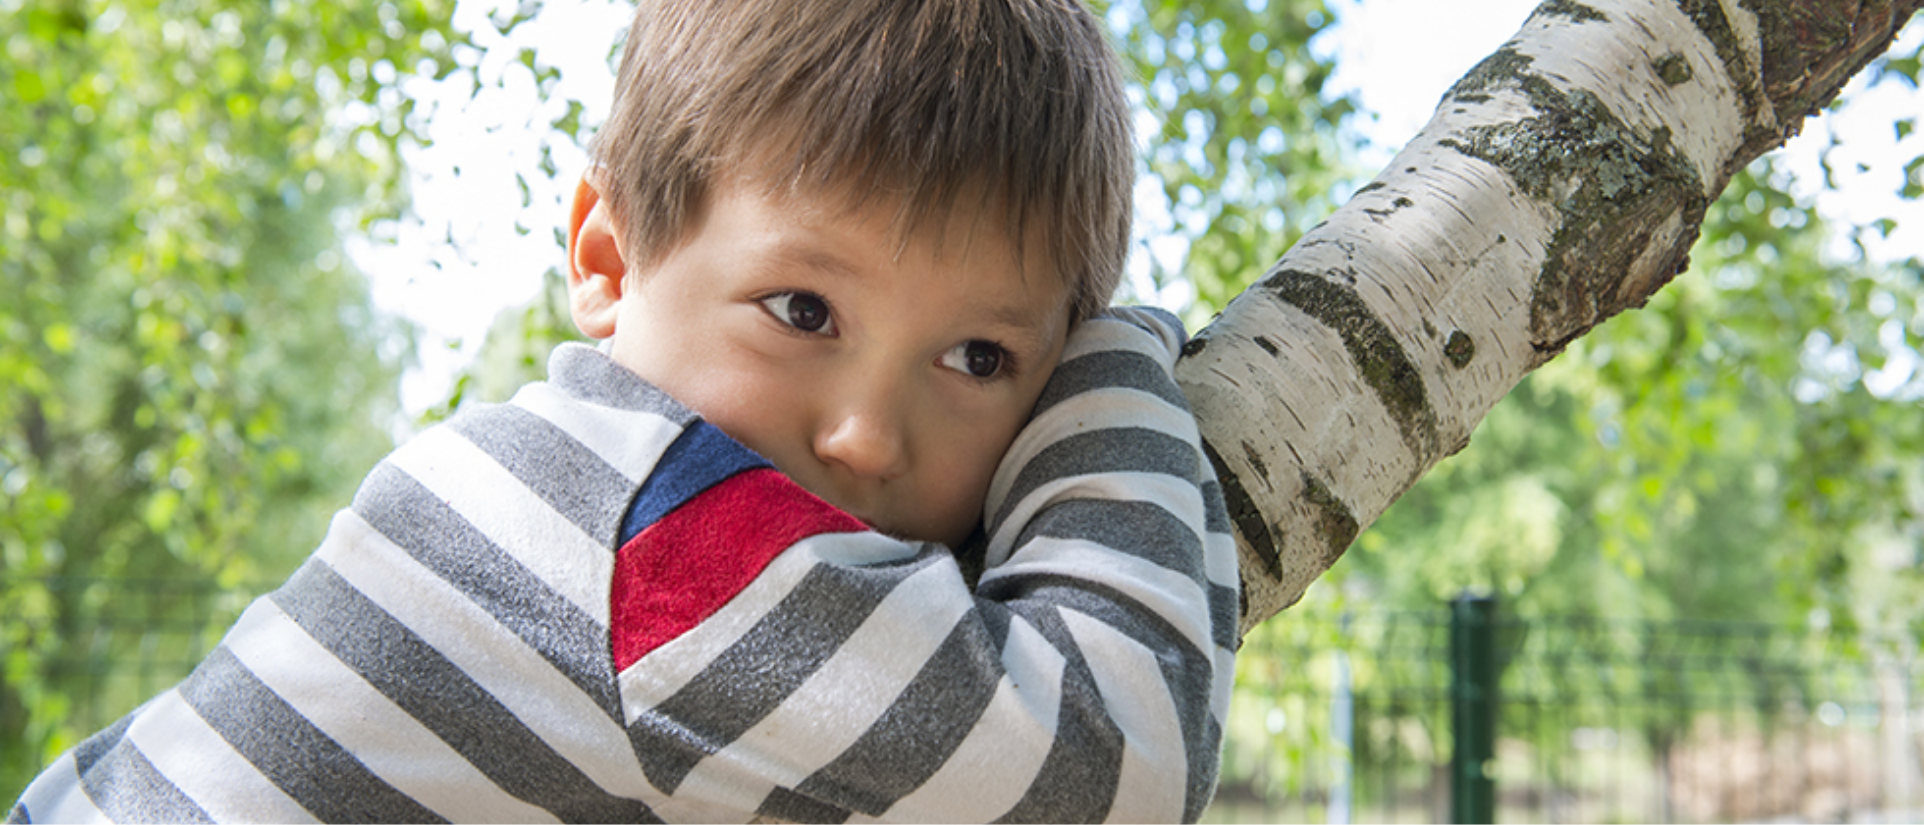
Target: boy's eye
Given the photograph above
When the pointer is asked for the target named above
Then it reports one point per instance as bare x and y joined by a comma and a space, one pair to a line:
979, 359
805, 311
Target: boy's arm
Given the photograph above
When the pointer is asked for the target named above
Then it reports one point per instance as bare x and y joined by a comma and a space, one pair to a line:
1086, 677
463, 646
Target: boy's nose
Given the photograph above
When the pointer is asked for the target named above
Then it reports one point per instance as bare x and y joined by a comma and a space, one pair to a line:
866, 441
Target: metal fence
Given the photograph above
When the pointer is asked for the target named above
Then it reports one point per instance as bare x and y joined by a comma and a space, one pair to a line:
76, 653
1363, 719
1340, 719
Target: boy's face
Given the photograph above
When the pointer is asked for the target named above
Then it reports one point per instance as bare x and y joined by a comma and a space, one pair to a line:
887, 378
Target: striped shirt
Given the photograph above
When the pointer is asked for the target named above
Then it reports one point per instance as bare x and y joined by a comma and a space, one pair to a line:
588, 604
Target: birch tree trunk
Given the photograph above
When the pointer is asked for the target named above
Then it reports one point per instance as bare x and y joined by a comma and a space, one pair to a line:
1561, 181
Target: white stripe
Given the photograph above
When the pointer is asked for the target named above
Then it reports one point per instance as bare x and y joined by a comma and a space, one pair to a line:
1002, 755
385, 738
1222, 687
204, 766
57, 796
1219, 554
1175, 597
511, 515
1176, 495
1101, 334
842, 699
687, 810
630, 441
1154, 778
498, 660
669, 668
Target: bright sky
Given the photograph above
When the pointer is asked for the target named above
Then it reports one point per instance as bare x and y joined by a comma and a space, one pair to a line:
1398, 55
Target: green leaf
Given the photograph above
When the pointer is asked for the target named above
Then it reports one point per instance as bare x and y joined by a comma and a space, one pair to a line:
27, 86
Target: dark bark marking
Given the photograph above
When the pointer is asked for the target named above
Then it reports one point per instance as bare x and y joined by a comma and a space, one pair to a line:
1401, 202
1627, 183
1194, 346
1708, 16
1335, 524
1577, 12
1247, 517
1268, 345
1460, 349
1256, 461
1673, 69
1372, 347
1811, 36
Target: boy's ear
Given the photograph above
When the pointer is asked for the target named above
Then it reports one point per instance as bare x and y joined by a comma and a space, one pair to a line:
596, 267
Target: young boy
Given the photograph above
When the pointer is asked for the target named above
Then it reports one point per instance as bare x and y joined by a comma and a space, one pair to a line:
848, 261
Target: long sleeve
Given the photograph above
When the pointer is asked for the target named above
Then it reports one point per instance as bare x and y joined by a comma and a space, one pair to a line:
1085, 678
588, 604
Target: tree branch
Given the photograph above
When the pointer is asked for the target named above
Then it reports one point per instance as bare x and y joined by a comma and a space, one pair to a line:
1561, 181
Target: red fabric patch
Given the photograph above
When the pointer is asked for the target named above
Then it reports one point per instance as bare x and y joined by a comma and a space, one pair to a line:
678, 571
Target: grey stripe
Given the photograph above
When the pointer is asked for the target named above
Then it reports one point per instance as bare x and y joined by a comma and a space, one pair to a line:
1079, 776
761, 670
89, 751
1135, 528
566, 474
127, 788
589, 375
918, 733
423, 525
19, 814
1215, 509
1110, 368
1187, 671
1202, 783
784, 805
440, 696
1225, 612
1113, 450
305, 763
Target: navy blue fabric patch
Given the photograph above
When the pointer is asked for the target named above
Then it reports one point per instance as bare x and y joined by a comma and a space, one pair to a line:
700, 458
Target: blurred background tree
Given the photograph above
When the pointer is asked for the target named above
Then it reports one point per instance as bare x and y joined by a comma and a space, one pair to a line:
192, 374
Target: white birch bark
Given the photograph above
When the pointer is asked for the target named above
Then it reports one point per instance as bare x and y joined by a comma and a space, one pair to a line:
1560, 182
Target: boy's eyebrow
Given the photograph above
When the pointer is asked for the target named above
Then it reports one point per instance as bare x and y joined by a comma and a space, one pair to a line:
813, 257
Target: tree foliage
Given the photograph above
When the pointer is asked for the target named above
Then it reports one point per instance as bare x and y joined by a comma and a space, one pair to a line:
191, 375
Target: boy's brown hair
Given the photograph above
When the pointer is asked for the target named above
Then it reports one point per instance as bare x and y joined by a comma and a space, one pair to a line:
1016, 102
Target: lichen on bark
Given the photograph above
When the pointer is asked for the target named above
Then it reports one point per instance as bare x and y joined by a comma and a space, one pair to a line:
1373, 348
1576, 12
1708, 16
1612, 188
